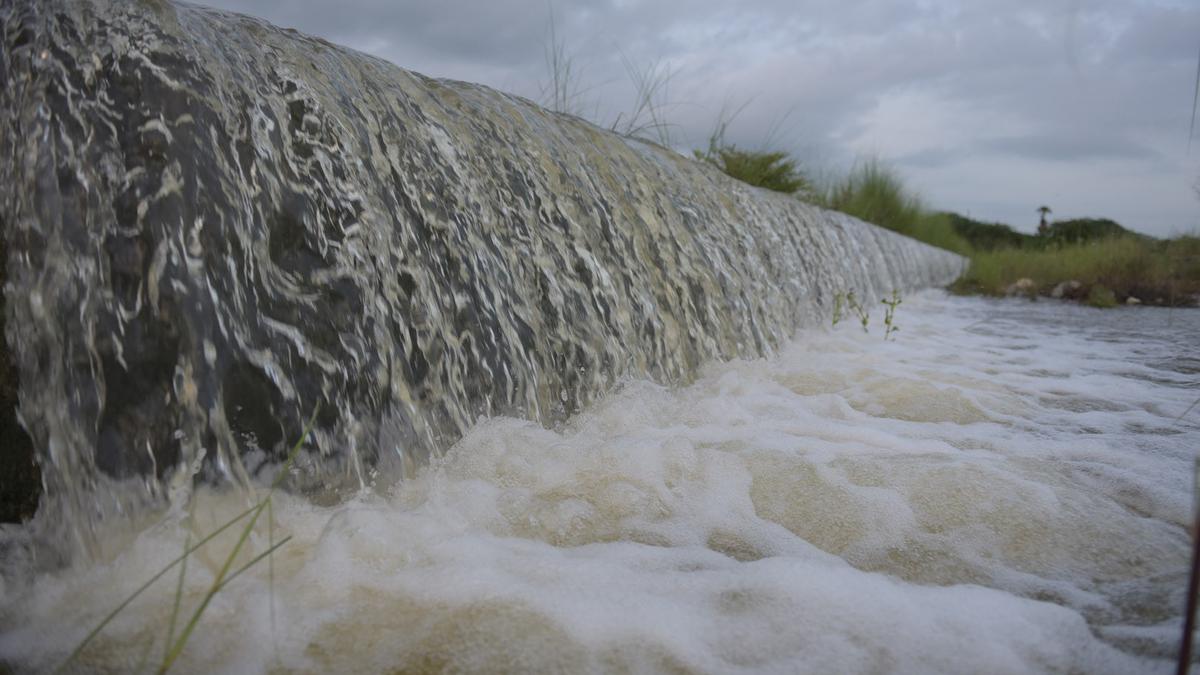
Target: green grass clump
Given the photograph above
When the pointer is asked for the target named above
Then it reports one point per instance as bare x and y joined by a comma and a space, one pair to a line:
771, 170
1101, 296
874, 192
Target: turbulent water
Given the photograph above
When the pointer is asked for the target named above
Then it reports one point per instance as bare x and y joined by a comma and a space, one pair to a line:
1004, 488
215, 227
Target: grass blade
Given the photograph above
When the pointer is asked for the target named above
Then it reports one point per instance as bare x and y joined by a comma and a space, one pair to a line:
150, 582
220, 580
256, 559
178, 598
223, 578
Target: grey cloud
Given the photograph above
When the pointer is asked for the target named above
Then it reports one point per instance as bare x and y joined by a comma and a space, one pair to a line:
1058, 148
931, 158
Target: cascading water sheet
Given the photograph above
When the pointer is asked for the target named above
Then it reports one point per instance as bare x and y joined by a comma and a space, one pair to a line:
215, 227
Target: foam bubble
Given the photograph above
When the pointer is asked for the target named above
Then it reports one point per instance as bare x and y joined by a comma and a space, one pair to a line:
990, 493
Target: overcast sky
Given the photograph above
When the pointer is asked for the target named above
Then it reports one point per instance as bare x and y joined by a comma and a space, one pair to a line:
988, 107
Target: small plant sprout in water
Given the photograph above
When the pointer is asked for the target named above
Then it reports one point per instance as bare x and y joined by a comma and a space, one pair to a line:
864, 316
839, 301
848, 301
889, 314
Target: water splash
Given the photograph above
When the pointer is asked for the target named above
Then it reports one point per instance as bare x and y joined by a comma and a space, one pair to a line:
848, 505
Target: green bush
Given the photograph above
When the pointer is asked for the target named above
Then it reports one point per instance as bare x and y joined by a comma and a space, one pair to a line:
771, 170
1101, 296
1083, 230
983, 236
992, 236
874, 192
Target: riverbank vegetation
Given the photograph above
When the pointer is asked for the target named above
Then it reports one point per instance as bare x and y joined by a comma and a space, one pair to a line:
874, 192
1152, 271
1092, 260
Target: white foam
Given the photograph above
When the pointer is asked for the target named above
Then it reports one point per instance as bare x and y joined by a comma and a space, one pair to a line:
997, 491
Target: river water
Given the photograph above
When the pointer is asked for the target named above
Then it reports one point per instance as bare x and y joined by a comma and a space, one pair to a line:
1002, 488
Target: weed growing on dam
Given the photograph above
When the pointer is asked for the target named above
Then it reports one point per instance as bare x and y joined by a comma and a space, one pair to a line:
864, 314
771, 170
889, 314
839, 302
844, 301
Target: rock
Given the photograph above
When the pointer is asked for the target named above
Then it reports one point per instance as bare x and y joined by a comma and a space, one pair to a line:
1070, 290
1023, 286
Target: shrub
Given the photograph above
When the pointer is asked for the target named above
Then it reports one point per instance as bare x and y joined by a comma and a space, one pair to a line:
1101, 296
1083, 230
771, 170
874, 192
983, 236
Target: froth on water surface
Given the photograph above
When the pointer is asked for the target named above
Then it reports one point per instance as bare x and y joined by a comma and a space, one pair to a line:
1003, 489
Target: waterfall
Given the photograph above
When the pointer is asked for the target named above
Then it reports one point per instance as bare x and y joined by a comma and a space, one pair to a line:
215, 227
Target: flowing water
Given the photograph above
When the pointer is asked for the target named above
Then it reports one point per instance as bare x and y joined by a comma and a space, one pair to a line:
1003, 488
215, 227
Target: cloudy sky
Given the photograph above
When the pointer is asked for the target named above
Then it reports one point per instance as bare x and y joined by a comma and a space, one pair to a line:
988, 107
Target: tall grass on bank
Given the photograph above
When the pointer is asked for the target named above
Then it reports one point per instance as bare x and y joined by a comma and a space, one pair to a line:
647, 117
771, 170
1156, 271
874, 192
1110, 264
563, 92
